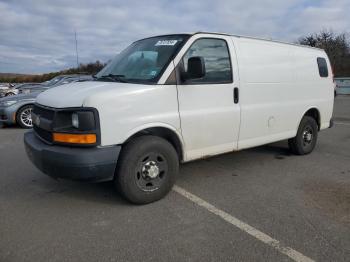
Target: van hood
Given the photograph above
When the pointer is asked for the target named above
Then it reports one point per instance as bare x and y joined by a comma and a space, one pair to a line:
80, 94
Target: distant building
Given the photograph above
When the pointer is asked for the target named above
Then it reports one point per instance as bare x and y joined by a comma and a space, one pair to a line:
343, 85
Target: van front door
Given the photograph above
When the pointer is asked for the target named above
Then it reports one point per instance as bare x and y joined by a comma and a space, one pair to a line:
209, 106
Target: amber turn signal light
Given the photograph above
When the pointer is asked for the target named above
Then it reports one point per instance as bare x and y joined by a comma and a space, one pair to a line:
74, 138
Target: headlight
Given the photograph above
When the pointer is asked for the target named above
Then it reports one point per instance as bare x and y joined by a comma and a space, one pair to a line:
75, 120
76, 127
8, 103
80, 120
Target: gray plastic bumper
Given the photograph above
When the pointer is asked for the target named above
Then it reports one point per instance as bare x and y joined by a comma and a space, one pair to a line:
89, 164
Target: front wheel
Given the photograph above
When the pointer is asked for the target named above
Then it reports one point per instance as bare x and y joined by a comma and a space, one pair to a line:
147, 169
24, 116
305, 140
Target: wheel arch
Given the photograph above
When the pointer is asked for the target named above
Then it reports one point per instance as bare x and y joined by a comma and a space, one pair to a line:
314, 113
165, 131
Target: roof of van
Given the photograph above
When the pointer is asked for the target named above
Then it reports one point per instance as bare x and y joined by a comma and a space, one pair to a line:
258, 38
240, 36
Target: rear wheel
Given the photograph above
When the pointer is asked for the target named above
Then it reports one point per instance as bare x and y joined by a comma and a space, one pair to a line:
24, 116
305, 140
10, 94
147, 169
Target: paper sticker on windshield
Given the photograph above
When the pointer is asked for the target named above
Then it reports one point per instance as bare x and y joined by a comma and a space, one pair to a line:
166, 42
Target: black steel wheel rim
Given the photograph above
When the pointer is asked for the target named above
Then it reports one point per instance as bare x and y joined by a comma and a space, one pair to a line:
151, 171
308, 136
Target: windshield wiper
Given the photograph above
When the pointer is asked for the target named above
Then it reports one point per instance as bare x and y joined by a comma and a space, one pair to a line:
117, 78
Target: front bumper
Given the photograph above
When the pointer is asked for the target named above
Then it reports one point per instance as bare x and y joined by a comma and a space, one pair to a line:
7, 115
88, 164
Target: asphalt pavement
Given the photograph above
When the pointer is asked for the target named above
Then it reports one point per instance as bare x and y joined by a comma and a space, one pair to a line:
261, 204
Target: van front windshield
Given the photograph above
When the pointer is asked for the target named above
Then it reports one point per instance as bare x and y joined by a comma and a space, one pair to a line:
143, 61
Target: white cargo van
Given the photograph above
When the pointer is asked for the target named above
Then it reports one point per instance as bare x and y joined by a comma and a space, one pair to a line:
176, 98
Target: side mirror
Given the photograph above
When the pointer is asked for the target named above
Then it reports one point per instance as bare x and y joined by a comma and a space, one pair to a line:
195, 67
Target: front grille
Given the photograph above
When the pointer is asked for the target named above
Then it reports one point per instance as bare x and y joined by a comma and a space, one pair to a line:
3, 117
43, 134
43, 113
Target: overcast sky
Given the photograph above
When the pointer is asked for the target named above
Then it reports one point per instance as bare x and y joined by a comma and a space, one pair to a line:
38, 36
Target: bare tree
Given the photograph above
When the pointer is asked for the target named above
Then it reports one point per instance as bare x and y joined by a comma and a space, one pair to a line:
90, 68
336, 46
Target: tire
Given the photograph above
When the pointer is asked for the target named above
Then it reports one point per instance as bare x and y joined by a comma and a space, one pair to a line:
23, 116
147, 169
10, 94
306, 138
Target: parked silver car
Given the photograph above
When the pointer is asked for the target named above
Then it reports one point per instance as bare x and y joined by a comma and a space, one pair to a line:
14, 90
4, 87
56, 81
17, 109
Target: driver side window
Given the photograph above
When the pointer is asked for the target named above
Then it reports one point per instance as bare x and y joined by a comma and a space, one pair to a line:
217, 61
